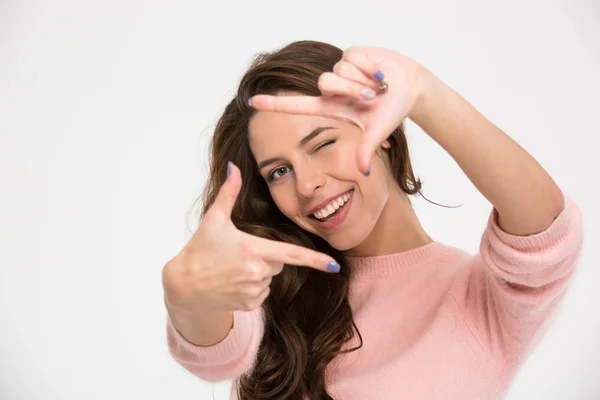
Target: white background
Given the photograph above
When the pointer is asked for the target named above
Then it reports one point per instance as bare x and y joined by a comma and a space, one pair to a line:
106, 109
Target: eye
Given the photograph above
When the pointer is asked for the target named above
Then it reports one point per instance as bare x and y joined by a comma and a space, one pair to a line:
279, 171
325, 144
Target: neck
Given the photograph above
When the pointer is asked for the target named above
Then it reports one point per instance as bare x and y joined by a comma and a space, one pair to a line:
397, 230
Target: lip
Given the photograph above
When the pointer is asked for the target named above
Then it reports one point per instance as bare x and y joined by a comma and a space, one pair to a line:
338, 219
325, 202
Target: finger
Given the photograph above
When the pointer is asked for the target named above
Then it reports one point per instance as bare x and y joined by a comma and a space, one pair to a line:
265, 283
338, 107
276, 267
229, 191
349, 71
331, 84
370, 141
363, 156
252, 290
263, 295
356, 57
252, 302
255, 270
274, 251
305, 105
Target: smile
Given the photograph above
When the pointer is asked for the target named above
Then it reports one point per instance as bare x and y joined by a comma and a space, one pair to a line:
334, 207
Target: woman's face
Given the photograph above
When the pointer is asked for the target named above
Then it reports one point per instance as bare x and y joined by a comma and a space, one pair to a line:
309, 163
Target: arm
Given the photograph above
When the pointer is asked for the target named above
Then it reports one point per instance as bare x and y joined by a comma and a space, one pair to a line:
525, 196
202, 328
512, 288
534, 234
233, 356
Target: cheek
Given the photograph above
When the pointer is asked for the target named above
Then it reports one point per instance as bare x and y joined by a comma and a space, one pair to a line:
377, 189
342, 162
285, 200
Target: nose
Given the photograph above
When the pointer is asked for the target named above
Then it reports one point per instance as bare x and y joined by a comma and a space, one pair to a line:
308, 180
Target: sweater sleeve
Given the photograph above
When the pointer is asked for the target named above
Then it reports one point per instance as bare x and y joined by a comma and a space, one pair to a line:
516, 282
232, 357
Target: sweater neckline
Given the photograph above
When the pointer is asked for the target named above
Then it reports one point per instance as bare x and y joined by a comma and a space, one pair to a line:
389, 264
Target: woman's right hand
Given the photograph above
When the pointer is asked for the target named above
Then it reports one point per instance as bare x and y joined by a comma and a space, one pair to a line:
223, 268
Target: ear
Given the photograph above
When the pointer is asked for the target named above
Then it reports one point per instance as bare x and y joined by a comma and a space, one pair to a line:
386, 144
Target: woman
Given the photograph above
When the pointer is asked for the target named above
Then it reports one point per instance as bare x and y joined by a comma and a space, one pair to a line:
310, 170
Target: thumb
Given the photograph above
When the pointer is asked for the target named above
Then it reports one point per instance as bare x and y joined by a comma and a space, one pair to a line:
366, 148
229, 191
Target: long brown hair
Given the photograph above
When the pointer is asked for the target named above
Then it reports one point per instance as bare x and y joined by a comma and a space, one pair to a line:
307, 314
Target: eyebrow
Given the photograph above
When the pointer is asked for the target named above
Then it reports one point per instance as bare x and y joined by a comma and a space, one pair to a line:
316, 132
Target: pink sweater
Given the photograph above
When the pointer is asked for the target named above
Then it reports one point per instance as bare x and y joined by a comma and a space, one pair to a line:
436, 322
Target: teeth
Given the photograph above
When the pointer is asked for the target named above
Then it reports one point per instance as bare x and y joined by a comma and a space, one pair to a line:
332, 206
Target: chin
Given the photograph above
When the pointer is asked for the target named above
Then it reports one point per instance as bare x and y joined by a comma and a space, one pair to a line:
344, 241
341, 241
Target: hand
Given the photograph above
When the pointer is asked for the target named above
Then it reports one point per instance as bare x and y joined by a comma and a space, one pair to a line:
223, 268
346, 95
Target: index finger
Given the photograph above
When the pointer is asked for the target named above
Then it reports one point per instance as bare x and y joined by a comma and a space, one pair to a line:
304, 105
271, 250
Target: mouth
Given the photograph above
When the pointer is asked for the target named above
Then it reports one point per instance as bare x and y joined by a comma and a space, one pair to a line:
335, 212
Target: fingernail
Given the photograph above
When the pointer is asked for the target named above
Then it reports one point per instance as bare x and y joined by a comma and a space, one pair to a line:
250, 101
368, 171
368, 94
228, 168
333, 266
379, 75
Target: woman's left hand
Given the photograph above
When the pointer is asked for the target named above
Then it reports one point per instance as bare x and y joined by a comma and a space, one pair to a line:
351, 92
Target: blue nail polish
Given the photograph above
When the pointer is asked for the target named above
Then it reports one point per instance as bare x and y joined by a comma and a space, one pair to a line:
368, 171
379, 75
333, 266
250, 101
228, 168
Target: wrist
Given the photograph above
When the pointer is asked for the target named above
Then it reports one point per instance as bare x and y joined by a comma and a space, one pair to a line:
202, 327
428, 87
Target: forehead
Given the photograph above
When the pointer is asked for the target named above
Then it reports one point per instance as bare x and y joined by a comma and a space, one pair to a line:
271, 132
